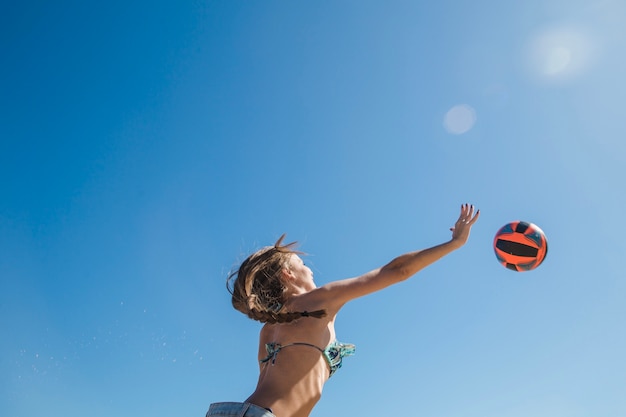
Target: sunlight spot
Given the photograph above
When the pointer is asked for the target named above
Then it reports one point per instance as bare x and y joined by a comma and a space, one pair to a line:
558, 60
459, 119
559, 54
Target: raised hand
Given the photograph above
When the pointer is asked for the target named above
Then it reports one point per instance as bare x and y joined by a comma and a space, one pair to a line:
462, 227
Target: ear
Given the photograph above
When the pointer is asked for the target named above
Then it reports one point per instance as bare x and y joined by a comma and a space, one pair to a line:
287, 274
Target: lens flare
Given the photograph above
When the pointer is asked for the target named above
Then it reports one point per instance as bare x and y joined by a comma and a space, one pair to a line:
559, 54
459, 119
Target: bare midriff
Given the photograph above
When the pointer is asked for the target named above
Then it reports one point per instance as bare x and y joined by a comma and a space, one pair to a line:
292, 385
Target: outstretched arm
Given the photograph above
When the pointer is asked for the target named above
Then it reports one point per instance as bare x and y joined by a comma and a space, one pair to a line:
401, 268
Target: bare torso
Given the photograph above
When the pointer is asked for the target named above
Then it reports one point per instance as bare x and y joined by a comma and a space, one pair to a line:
292, 384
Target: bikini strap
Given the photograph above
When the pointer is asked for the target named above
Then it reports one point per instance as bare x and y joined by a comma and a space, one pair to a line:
273, 349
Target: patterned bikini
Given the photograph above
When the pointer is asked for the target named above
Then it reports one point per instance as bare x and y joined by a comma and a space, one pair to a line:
334, 352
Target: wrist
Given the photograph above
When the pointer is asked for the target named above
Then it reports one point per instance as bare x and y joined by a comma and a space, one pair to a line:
455, 243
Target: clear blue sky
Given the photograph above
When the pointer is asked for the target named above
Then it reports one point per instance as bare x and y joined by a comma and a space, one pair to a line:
146, 147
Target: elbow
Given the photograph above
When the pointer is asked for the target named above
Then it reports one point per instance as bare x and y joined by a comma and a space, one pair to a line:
396, 273
405, 274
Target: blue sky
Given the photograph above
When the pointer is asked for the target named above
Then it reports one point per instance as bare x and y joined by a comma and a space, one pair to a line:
146, 147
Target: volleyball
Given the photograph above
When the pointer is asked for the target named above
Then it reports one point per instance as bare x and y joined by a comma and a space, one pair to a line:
520, 246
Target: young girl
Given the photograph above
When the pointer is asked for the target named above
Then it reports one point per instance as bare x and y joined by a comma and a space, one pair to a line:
298, 350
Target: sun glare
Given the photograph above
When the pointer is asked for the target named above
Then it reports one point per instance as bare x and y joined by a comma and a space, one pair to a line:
559, 54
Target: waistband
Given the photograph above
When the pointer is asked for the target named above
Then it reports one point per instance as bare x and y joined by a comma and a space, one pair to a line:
234, 409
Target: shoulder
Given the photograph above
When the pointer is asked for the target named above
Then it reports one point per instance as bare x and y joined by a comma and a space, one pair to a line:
336, 294
320, 298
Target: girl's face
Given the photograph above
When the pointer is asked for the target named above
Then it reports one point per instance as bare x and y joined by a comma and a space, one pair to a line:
301, 272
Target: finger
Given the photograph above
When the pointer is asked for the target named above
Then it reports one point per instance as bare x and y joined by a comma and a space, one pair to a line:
463, 211
466, 211
476, 216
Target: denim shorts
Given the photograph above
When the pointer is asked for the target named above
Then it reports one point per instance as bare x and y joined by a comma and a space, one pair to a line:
237, 410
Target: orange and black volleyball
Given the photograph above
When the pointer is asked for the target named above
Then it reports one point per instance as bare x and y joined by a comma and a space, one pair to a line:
520, 246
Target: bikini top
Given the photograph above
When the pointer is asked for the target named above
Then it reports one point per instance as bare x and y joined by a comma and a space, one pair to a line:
334, 352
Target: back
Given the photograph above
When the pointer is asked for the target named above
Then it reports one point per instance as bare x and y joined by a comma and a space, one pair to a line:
298, 370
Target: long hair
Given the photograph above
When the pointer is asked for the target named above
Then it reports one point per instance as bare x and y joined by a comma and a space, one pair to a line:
258, 289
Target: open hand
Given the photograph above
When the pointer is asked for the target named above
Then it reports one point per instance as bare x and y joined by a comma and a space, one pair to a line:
462, 227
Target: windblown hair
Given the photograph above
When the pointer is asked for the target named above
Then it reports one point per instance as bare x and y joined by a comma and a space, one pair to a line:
258, 289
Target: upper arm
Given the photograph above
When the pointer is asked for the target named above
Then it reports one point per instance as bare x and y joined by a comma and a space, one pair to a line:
337, 293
